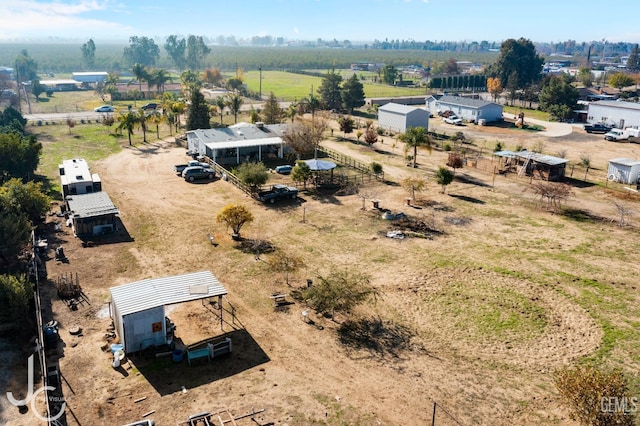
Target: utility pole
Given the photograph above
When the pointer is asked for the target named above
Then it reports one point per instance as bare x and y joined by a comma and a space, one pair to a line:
260, 69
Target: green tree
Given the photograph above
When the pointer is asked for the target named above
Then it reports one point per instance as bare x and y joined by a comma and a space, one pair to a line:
389, 74
140, 74
109, 86
27, 199
176, 48
301, 173
413, 185
272, 112
311, 104
352, 93
26, 67
141, 50
15, 230
346, 125
190, 81
517, 56
234, 216
142, 122
221, 104
128, 121
444, 177
158, 77
340, 291
198, 116
633, 63
16, 293
585, 76
415, 137
19, 156
595, 397
234, 103
197, 50
252, 174
329, 90
37, 89
89, 54
620, 80
558, 97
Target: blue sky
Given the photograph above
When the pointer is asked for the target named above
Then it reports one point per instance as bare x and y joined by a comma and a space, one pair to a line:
355, 20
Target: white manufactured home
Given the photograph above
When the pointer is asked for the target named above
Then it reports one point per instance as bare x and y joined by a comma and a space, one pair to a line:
468, 109
398, 118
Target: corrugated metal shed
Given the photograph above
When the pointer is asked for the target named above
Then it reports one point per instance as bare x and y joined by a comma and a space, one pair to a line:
151, 293
398, 108
541, 158
90, 205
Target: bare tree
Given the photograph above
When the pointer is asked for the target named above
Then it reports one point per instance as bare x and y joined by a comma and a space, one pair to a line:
304, 136
624, 212
551, 194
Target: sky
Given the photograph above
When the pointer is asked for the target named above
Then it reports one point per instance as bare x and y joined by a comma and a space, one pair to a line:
354, 20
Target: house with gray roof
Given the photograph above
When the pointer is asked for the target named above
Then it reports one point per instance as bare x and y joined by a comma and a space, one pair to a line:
468, 109
398, 118
242, 142
91, 214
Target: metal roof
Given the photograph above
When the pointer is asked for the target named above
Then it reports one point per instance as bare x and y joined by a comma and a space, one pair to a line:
463, 101
243, 143
151, 293
75, 171
625, 162
399, 108
239, 132
618, 104
90, 205
541, 158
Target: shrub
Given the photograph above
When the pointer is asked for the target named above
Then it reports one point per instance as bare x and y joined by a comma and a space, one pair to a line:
446, 147
376, 168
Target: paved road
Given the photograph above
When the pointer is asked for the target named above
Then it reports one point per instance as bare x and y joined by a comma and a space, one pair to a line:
62, 116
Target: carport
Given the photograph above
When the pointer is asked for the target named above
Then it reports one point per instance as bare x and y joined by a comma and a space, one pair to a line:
241, 149
138, 308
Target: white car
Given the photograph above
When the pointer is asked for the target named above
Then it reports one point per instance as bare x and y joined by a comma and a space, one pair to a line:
105, 108
453, 119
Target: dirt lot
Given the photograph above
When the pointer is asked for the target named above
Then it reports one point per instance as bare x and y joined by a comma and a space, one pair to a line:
475, 317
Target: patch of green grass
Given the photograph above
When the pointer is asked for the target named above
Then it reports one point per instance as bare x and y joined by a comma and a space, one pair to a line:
490, 313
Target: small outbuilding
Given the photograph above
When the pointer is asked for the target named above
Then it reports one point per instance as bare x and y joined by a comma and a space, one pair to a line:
91, 214
138, 308
468, 109
528, 163
398, 117
624, 170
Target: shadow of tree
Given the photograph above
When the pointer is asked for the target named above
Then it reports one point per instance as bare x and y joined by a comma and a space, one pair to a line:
379, 337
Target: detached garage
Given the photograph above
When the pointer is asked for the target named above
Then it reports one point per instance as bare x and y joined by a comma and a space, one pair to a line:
398, 118
138, 308
624, 170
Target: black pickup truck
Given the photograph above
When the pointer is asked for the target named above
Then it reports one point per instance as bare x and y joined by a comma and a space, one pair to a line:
277, 192
596, 128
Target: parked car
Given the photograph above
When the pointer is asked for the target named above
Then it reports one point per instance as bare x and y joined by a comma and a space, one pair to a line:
105, 108
597, 128
453, 119
150, 105
284, 170
198, 172
179, 168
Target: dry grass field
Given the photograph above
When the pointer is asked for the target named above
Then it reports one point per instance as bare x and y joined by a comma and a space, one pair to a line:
475, 316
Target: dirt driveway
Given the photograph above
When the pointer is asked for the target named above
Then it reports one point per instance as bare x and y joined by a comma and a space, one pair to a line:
300, 373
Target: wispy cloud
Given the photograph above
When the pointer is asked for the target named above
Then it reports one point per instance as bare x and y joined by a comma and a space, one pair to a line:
25, 17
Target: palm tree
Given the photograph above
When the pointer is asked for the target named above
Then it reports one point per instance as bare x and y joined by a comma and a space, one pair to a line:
221, 104
415, 137
167, 100
110, 85
234, 103
292, 111
142, 122
312, 104
156, 118
128, 121
190, 81
178, 108
160, 76
140, 73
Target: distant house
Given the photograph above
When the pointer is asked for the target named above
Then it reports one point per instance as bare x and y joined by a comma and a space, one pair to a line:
91, 214
468, 109
60, 85
620, 114
398, 118
131, 91
242, 142
624, 170
75, 178
90, 77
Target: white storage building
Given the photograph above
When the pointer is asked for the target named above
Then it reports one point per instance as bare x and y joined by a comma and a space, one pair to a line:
624, 170
620, 114
138, 308
468, 109
398, 118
